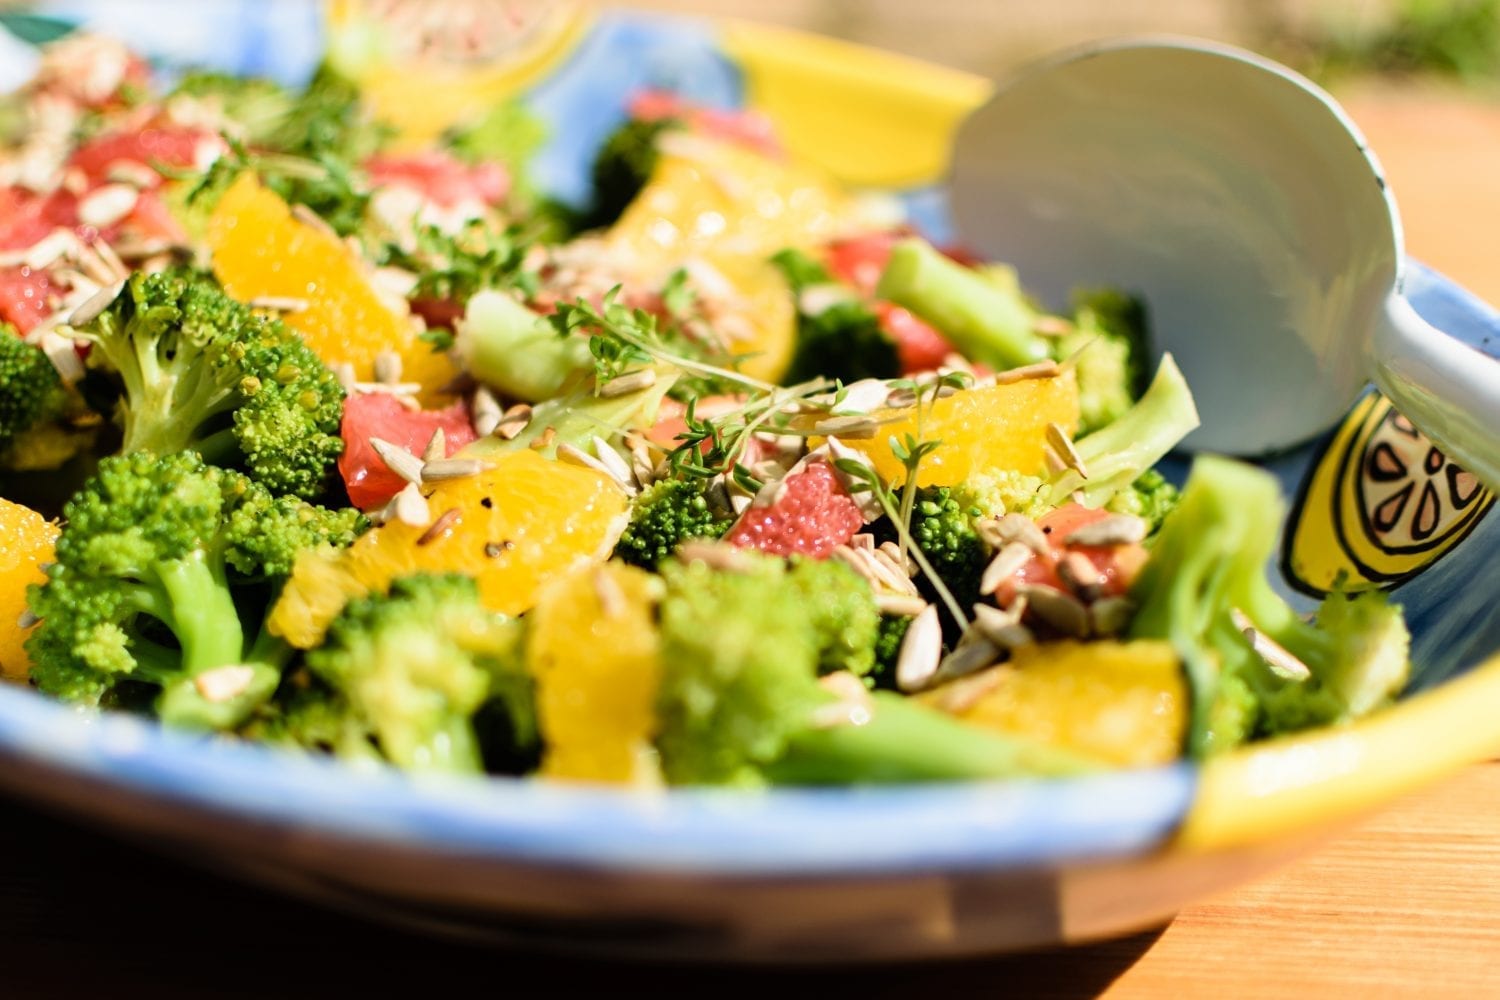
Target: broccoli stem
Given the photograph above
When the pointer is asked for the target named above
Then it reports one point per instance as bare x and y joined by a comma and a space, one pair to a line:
506, 345
205, 620
982, 320
906, 741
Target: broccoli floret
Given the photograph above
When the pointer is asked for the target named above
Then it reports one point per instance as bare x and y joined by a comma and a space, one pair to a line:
1005, 491
663, 517
153, 582
983, 319
942, 525
838, 338
1151, 498
411, 668
739, 697
1117, 455
888, 648
202, 372
841, 609
622, 167
1207, 569
269, 531
1111, 344
31, 392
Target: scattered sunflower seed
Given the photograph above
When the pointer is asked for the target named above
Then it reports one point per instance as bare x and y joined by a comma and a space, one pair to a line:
445, 469
344, 372
388, 367
854, 706
223, 683
1054, 462
1081, 576
1001, 531
308, 217
921, 651
1110, 615
966, 692
397, 389
897, 558
409, 507
975, 652
63, 355
617, 467
436, 529
1116, 529
1007, 562
1003, 628
1061, 611
1063, 445
715, 555
1041, 369
574, 455
400, 461
131, 172
1282, 661
612, 600
44, 252
27, 620
107, 204
486, 412
437, 448
544, 440
94, 305
853, 427
280, 303
513, 421
630, 382
1051, 326
901, 605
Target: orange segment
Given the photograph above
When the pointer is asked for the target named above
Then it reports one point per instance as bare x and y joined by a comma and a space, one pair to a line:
998, 427
593, 648
260, 249
1122, 702
26, 540
512, 528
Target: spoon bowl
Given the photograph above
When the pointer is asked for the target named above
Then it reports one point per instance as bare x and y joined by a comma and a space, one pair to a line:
1241, 203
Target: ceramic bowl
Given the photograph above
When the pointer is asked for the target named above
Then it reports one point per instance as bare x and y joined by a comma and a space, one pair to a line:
863, 874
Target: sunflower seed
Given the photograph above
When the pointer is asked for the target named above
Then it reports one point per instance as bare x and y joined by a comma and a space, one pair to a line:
1063, 445
131, 172
63, 355
574, 455
715, 555
1281, 660
94, 305
1051, 326
513, 421
544, 440
1061, 611
308, 217
388, 367
623, 385
409, 507
1110, 615
921, 650
1001, 531
279, 303
641, 464
400, 461
44, 252
344, 372
1042, 369
853, 427
437, 448
897, 558
224, 683
1003, 628
855, 560
107, 204
1081, 576
27, 620
901, 399
1054, 462
438, 527
1116, 529
400, 390
853, 706
618, 468
485, 410
900, 605
974, 652
862, 397
445, 469
1006, 564
612, 600
966, 692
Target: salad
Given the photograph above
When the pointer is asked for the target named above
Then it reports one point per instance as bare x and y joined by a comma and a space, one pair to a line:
317, 435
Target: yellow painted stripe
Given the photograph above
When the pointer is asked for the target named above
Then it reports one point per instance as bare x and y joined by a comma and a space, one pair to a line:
1298, 783
871, 118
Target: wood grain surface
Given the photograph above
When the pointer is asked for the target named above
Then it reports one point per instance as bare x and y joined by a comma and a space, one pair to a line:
1407, 905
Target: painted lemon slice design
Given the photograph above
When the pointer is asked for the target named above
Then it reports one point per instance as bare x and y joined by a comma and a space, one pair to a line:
1382, 504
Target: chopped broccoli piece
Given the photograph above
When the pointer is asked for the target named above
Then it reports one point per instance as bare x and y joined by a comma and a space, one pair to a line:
1118, 454
413, 667
943, 528
739, 697
1006, 491
622, 167
888, 649
202, 372
664, 516
843, 339
153, 581
504, 344
269, 531
841, 609
1151, 497
31, 393
1208, 567
1110, 341
982, 319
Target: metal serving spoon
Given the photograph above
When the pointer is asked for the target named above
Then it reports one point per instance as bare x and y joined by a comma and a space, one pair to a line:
1241, 202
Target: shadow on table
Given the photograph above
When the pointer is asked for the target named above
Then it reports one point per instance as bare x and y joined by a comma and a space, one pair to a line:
86, 915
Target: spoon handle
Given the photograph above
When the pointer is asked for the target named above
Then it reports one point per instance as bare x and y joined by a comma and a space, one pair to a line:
1449, 390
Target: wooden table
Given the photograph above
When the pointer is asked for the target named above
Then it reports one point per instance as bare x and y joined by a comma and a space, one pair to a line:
1407, 905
